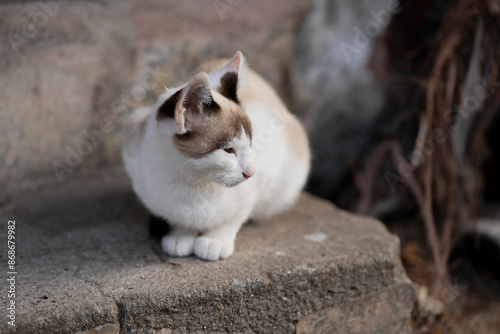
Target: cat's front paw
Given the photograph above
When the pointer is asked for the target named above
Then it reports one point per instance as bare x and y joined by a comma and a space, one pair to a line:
178, 245
212, 249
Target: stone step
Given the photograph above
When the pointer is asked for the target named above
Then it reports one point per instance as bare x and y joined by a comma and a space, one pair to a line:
85, 263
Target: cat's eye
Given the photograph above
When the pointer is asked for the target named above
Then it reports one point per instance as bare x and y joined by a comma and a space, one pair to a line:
230, 150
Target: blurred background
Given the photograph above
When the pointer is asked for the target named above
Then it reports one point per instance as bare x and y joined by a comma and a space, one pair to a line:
400, 100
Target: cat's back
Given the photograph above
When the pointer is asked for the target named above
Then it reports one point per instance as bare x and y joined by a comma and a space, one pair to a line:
134, 129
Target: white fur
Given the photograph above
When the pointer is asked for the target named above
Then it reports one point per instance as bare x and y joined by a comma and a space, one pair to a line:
206, 200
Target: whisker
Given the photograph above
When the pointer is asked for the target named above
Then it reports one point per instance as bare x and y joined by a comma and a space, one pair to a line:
187, 161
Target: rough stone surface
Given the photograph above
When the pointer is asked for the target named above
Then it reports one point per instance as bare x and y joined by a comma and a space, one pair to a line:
380, 312
85, 263
73, 66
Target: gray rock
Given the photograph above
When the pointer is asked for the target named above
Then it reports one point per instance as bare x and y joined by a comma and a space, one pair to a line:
85, 264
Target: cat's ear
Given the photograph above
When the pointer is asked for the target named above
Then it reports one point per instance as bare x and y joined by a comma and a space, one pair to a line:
196, 100
189, 105
227, 78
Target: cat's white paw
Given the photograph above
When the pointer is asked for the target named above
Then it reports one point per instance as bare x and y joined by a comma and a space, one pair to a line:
178, 245
213, 249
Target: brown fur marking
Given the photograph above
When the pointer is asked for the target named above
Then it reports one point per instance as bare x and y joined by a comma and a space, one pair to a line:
214, 130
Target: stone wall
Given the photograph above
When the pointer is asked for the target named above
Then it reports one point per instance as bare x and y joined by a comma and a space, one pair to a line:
71, 71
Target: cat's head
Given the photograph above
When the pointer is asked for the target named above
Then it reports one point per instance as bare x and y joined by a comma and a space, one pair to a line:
208, 125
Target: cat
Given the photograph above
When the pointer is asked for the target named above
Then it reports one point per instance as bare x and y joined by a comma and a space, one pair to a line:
214, 153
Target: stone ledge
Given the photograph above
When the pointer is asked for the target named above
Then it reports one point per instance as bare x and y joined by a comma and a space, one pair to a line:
86, 264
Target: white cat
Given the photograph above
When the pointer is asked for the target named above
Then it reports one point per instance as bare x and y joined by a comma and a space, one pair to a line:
213, 153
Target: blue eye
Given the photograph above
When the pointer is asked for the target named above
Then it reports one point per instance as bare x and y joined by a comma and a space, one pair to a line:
230, 150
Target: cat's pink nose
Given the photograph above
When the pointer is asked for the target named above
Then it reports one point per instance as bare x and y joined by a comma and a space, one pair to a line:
249, 173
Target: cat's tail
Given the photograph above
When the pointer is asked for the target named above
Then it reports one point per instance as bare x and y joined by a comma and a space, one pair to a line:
134, 129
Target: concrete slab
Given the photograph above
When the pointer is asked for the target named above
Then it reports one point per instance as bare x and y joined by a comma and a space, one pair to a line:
85, 263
